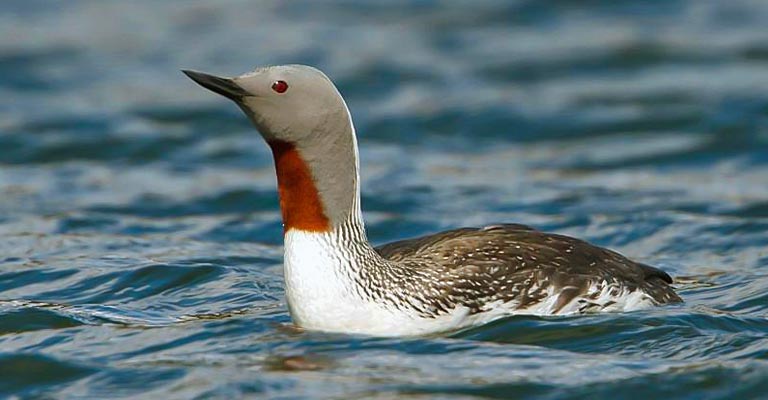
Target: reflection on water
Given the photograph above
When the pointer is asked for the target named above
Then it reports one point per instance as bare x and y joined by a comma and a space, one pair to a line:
140, 250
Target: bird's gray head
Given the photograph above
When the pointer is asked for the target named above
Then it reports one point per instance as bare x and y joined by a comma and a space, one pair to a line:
289, 103
302, 116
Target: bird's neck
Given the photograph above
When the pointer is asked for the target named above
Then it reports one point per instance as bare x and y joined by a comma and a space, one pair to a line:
318, 183
326, 248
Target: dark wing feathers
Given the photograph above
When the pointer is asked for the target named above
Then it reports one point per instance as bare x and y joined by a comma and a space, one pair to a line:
516, 253
401, 249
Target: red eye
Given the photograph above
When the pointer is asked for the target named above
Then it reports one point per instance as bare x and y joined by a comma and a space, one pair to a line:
280, 86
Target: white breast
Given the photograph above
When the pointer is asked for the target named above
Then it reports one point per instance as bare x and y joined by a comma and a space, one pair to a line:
321, 294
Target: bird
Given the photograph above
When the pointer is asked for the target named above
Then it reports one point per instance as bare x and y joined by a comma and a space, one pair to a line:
337, 281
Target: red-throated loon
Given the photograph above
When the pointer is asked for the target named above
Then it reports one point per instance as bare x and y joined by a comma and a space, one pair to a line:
335, 280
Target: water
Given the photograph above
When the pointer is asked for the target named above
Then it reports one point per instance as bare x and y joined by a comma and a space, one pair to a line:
140, 240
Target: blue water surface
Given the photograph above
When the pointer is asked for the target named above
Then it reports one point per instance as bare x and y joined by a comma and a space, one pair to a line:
140, 234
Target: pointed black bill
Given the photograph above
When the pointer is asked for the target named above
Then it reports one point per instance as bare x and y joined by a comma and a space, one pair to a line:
223, 86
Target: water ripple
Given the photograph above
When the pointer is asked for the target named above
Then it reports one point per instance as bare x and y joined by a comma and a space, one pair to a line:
140, 233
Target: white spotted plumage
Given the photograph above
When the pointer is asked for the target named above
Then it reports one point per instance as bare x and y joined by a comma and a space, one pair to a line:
323, 293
